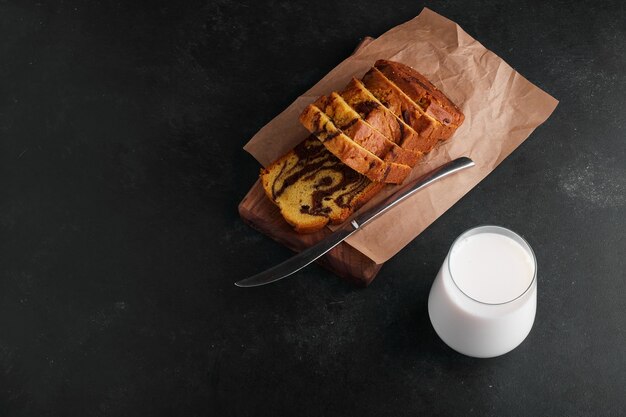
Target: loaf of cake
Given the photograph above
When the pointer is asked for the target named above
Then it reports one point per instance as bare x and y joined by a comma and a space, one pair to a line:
368, 135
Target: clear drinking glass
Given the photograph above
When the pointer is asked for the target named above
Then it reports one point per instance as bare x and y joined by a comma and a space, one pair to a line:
483, 301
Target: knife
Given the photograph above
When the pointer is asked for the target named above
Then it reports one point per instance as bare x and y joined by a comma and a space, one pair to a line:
309, 255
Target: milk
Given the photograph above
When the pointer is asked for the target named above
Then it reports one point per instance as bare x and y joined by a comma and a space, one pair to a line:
491, 268
483, 301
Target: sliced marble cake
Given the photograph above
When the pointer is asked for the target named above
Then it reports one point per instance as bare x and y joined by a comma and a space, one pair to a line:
349, 152
371, 133
362, 133
312, 187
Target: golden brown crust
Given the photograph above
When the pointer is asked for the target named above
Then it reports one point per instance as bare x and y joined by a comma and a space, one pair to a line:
370, 135
357, 129
351, 124
381, 118
351, 154
393, 98
373, 111
422, 92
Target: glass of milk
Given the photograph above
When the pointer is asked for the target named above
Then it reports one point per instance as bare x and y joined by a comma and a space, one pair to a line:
484, 299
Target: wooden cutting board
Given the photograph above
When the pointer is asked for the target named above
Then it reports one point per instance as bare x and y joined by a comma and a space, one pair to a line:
345, 261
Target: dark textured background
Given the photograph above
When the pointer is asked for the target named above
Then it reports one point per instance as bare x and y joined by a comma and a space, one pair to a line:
121, 129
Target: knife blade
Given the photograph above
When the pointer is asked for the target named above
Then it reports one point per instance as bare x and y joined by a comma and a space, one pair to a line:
311, 254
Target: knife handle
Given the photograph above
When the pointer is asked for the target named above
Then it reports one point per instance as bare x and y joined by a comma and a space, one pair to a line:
410, 189
309, 255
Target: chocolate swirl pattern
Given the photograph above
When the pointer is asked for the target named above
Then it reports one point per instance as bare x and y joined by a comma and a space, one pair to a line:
323, 186
372, 132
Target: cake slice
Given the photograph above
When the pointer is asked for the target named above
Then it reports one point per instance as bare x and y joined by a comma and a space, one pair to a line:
381, 118
370, 134
422, 91
349, 152
312, 187
428, 129
351, 123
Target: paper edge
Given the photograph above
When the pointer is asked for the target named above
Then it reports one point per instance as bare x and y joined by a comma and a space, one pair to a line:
311, 94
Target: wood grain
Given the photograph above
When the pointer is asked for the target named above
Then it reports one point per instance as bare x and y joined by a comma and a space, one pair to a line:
260, 213
263, 215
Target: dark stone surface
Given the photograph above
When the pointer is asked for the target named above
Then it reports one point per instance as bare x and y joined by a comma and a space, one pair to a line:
121, 128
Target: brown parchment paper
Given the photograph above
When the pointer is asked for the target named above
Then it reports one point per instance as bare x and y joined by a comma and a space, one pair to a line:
501, 110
